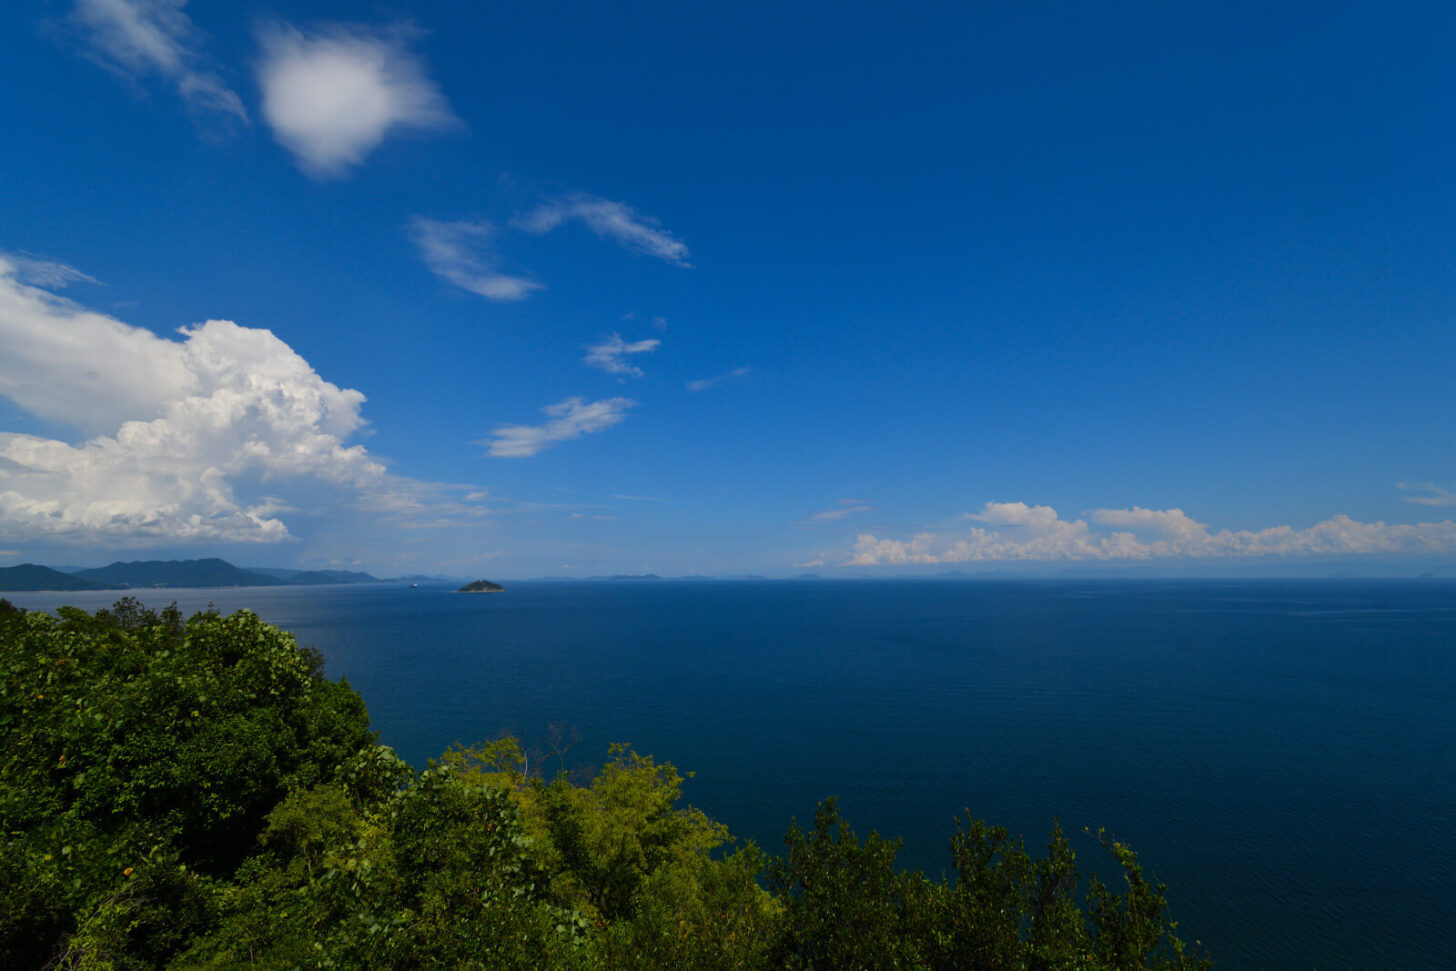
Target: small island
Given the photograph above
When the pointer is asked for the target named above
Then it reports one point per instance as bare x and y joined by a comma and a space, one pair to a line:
481, 586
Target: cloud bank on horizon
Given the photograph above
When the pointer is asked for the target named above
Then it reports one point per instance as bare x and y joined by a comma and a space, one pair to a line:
1015, 531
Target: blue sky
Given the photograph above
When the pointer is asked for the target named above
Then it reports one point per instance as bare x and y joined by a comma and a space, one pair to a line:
561, 288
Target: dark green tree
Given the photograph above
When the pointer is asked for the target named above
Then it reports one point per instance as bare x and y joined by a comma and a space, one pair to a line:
140, 759
845, 904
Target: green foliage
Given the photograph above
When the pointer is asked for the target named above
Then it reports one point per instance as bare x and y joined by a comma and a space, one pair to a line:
848, 907
845, 904
436, 875
196, 795
635, 867
623, 828
141, 756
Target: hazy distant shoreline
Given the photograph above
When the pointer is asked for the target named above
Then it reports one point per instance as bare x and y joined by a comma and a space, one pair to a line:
217, 574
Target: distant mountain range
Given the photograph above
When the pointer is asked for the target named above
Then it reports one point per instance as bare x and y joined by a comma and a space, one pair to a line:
142, 574
29, 576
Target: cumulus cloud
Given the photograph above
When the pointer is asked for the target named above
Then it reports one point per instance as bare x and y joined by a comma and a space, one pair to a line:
611, 220
198, 439
571, 418
70, 365
610, 355
331, 95
461, 253
1435, 495
1017, 531
703, 384
141, 38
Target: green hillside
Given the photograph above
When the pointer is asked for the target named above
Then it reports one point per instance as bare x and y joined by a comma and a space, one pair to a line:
29, 576
211, 572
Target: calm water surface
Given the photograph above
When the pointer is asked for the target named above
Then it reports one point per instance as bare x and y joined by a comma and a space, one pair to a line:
1280, 753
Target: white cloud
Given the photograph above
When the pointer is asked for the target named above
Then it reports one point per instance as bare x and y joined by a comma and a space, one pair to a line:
609, 354
333, 94
703, 384
613, 220
1436, 495
1015, 514
460, 253
811, 563
845, 509
1016, 531
138, 38
70, 365
201, 439
49, 274
570, 419
463, 253
638, 498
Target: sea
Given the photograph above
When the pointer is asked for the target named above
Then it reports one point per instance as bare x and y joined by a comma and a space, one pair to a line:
1280, 753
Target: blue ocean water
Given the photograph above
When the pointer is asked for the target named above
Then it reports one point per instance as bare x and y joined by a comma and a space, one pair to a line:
1282, 754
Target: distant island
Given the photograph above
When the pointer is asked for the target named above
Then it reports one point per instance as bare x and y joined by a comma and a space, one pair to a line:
140, 574
481, 586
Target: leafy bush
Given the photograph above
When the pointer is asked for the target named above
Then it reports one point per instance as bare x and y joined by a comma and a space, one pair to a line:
141, 756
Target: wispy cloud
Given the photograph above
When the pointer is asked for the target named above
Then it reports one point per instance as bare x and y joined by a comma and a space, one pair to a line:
610, 355
571, 418
464, 253
142, 38
845, 509
45, 274
703, 384
461, 253
638, 498
1017, 531
611, 220
1435, 495
332, 94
